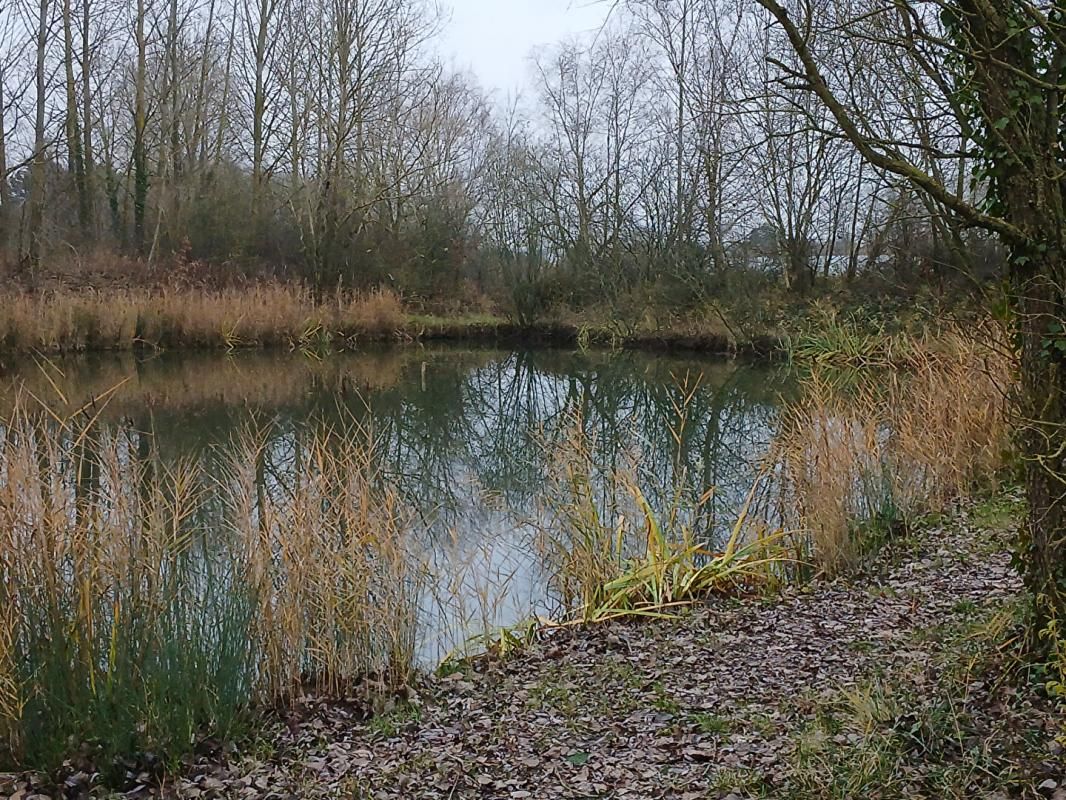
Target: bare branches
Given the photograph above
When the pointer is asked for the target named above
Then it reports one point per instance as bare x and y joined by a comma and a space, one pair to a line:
881, 158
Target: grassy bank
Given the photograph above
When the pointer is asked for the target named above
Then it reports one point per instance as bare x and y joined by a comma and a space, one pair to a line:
899, 685
286, 315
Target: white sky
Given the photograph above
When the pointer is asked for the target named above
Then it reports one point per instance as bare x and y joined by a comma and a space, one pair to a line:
494, 38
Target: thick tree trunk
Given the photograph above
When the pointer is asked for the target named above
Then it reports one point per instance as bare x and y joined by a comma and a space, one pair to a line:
1041, 306
798, 273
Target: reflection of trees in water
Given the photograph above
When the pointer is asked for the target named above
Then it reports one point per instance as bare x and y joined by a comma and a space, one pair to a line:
467, 438
451, 428
629, 408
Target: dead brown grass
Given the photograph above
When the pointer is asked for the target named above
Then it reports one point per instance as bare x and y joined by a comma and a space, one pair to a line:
864, 453
331, 564
265, 314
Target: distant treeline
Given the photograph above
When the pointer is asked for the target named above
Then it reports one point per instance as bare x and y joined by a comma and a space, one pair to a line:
324, 138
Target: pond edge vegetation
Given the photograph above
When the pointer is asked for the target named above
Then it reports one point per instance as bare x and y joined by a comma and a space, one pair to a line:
292, 317
858, 461
879, 440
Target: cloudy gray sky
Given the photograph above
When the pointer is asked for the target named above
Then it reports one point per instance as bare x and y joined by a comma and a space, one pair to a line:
494, 38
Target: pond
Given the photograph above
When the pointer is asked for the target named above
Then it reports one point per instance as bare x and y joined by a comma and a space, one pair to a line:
465, 437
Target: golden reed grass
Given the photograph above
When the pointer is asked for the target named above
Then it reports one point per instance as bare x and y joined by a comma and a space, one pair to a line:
267, 314
611, 555
146, 604
330, 563
856, 459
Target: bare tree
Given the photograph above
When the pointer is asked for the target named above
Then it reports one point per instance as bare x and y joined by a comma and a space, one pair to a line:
43, 20
75, 150
997, 68
140, 123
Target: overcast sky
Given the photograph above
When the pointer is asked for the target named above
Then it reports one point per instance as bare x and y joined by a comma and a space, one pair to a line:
494, 38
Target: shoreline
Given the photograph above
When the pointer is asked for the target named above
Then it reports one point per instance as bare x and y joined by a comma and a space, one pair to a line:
763, 347
727, 700
501, 332
283, 316
893, 682
275, 315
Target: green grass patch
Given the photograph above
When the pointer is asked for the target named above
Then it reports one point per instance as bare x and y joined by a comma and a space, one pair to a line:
663, 701
999, 512
393, 722
898, 736
712, 724
453, 323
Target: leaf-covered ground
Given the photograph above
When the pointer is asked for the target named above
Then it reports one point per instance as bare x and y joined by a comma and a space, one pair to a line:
886, 686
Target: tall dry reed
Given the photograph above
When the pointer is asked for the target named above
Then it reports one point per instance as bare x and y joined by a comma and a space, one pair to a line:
268, 314
134, 620
865, 452
330, 561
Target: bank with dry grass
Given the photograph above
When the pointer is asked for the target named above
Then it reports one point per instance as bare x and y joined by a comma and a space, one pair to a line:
137, 630
171, 310
268, 315
176, 316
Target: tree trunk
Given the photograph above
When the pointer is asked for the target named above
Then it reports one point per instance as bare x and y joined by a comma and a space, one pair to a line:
75, 153
140, 160
174, 164
35, 221
259, 104
87, 118
5, 194
1041, 306
797, 258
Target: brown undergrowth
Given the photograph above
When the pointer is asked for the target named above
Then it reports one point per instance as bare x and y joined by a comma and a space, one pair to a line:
130, 625
863, 453
260, 315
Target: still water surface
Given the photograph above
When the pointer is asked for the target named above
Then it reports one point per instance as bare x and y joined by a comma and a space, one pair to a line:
465, 435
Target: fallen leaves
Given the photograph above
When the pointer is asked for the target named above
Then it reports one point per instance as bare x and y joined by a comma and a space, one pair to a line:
662, 709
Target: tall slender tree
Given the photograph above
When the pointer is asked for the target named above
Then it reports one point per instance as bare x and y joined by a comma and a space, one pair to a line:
38, 166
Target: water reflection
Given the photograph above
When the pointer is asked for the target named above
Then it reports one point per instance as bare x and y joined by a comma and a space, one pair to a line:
465, 435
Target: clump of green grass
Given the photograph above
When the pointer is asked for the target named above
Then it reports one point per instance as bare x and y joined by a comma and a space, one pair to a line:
390, 723
999, 511
712, 724
827, 339
676, 570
